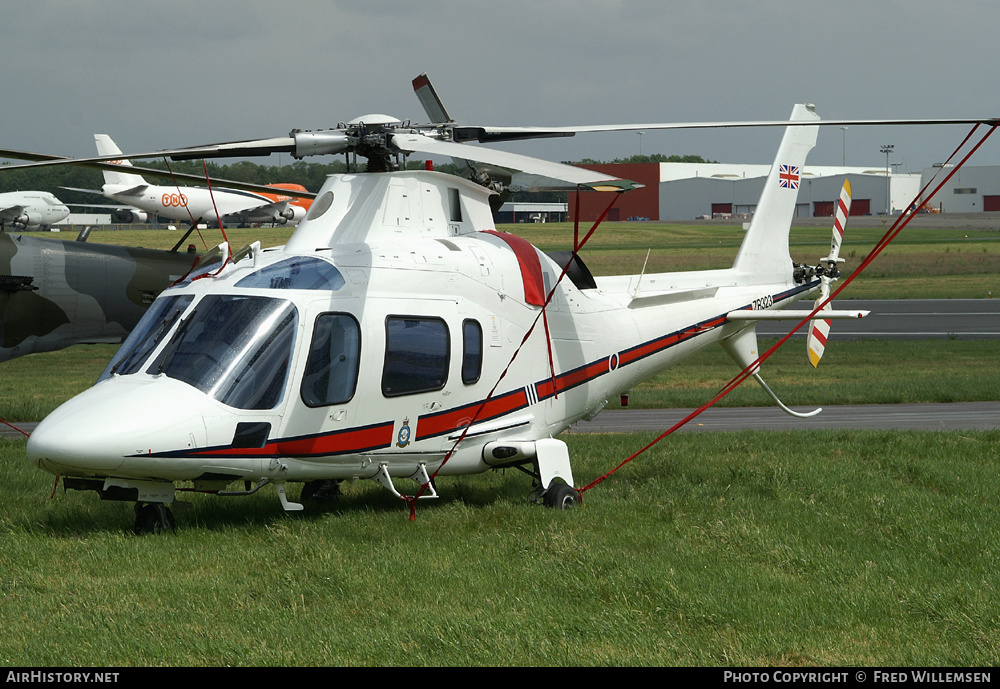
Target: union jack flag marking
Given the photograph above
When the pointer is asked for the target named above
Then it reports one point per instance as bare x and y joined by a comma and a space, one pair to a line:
788, 176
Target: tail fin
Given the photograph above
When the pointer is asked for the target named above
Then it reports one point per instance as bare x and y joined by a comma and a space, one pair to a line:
764, 255
107, 147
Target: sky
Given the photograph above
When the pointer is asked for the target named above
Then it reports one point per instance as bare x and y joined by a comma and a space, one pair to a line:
157, 75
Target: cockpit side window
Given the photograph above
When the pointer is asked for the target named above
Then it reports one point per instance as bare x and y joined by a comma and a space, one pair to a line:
331, 375
416, 355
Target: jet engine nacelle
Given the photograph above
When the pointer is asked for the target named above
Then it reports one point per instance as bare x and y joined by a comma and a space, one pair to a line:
129, 215
22, 221
292, 214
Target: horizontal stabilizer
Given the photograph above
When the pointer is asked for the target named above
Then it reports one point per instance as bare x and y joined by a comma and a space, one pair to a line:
790, 315
675, 296
85, 191
137, 190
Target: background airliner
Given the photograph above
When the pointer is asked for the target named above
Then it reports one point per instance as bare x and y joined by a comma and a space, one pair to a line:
30, 210
195, 204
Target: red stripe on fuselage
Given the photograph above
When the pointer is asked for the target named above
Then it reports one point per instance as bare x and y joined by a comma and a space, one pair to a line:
456, 419
531, 267
337, 443
652, 347
571, 379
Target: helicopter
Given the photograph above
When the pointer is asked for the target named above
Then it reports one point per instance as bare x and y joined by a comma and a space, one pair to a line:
393, 337
55, 293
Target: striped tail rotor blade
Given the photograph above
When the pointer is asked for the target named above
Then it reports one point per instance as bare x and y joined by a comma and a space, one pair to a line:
840, 221
819, 332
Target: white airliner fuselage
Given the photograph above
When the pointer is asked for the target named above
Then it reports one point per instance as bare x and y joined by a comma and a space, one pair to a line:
196, 204
31, 210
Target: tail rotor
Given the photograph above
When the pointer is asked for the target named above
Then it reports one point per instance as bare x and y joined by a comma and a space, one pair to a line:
819, 328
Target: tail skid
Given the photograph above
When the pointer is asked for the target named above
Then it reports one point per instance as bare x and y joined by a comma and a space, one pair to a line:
742, 347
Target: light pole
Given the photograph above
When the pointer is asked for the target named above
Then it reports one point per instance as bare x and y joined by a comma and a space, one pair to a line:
640, 142
887, 149
844, 131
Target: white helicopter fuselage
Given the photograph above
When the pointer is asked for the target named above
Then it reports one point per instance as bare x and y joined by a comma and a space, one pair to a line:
390, 333
450, 277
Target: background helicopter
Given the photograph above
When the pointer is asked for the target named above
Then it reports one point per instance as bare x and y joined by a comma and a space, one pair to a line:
398, 335
56, 293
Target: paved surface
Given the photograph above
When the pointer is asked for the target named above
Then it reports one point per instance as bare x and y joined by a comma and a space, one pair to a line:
941, 417
895, 319
8, 432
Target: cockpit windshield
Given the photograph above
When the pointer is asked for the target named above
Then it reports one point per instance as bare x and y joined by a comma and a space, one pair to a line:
147, 335
235, 349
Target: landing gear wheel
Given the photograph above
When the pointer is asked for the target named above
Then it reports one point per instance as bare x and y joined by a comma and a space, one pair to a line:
561, 497
153, 517
322, 490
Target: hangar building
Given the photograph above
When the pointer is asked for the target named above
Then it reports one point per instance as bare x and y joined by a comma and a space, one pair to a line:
686, 191
971, 190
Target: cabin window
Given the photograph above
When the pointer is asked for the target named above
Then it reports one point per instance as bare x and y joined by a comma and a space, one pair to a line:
416, 355
334, 356
472, 351
299, 272
158, 320
235, 349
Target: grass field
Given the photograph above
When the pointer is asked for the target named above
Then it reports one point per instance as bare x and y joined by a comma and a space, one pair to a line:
758, 549
852, 372
920, 263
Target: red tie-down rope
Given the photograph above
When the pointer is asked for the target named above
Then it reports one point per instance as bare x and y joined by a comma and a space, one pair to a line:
890, 235
412, 499
10, 425
188, 210
211, 195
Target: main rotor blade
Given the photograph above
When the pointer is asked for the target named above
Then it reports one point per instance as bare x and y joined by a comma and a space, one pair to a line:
299, 144
429, 99
575, 176
488, 134
228, 150
43, 159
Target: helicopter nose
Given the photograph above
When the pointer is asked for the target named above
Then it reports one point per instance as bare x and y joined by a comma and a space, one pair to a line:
73, 443
94, 433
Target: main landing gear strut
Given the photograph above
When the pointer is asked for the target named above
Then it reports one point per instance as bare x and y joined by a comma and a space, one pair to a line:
551, 470
153, 518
